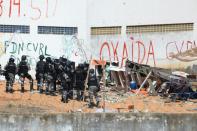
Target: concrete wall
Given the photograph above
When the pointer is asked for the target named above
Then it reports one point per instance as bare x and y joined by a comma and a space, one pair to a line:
99, 122
63, 13
140, 12
66, 13
154, 49
85, 14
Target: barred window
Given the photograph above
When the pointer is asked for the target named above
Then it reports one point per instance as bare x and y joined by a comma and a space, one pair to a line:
57, 30
160, 28
113, 30
15, 28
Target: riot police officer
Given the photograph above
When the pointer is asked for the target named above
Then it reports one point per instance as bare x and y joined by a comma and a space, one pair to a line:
66, 86
23, 69
1, 72
10, 72
79, 81
65, 79
49, 75
93, 88
40, 73
57, 78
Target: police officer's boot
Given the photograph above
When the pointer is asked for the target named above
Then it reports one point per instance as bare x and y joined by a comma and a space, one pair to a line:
31, 85
47, 89
11, 84
78, 95
90, 104
40, 84
11, 87
51, 87
64, 96
22, 88
40, 89
97, 102
7, 86
55, 85
22, 85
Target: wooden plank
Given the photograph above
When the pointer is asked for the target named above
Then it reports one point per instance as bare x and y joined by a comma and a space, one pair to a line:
127, 81
86, 81
121, 79
115, 77
133, 78
139, 78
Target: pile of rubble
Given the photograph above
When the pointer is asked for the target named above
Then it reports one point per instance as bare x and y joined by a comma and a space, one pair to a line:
155, 81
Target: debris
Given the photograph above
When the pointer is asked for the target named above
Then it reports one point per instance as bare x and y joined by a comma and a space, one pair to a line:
120, 108
133, 85
161, 81
142, 92
180, 73
131, 108
144, 82
152, 87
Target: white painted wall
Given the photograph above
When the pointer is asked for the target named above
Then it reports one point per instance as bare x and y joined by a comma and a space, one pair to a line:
144, 12
85, 14
141, 12
66, 13
154, 48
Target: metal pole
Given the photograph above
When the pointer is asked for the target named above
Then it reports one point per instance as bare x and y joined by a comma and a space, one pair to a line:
144, 82
86, 81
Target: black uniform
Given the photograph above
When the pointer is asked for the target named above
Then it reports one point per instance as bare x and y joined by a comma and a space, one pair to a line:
23, 69
1, 71
70, 71
93, 87
40, 73
65, 79
10, 72
79, 82
57, 78
49, 75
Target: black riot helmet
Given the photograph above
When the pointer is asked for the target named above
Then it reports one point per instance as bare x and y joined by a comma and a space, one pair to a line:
81, 66
24, 57
56, 61
86, 66
48, 60
91, 71
41, 57
11, 60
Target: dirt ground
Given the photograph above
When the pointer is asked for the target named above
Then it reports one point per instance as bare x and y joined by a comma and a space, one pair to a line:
33, 102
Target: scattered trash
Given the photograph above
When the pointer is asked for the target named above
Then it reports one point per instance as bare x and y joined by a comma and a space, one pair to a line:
133, 85
142, 92
180, 73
